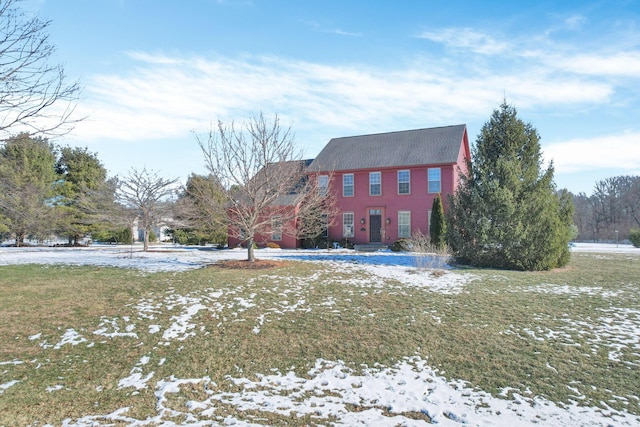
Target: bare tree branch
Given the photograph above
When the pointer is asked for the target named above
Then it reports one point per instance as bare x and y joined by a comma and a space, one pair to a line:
263, 178
34, 94
148, 195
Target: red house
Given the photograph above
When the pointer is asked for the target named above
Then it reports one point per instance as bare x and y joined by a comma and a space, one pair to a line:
385, 183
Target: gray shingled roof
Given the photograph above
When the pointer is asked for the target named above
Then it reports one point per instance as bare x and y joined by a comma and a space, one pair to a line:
439, 145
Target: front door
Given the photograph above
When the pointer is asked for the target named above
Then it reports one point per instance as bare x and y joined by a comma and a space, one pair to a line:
375, 226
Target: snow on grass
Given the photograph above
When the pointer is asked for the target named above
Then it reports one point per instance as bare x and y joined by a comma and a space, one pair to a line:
110, 328
407, 394
6, 385
605, 248
410, 393
136, 378
70, 337
182, 327
615, 329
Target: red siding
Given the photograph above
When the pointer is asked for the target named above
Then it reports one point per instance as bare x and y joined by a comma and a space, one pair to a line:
419, 201
262, 239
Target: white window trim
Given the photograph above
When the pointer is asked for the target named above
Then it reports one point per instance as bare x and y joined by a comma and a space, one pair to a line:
371, 174
351, 224
408, 171
353, 185
400, 224
323, 184
439, 181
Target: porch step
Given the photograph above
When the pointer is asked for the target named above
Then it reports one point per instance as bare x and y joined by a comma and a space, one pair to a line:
371, 247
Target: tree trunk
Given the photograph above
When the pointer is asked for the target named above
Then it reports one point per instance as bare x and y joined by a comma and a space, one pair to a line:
146, 240
250, 255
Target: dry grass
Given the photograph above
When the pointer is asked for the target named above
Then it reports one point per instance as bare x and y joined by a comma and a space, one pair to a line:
258, 264
538, 333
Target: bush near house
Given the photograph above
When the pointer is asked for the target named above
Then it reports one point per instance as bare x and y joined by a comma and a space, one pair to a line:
634, 237
400, 245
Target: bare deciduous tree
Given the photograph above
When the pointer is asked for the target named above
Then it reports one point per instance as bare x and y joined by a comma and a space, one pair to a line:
34, 95
612, 210
147, 194
265, 182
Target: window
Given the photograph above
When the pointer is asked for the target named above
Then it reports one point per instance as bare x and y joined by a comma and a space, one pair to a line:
323, 184
347, 185
375, 184
325, 226
404, 181
434, 180
347, 224
276, 228
404, 224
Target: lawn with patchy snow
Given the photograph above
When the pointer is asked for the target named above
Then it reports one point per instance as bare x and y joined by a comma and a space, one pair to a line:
202, 347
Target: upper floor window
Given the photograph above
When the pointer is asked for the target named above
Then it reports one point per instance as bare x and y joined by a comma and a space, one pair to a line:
347, 185
347, 224
434, 180
323, 184
404, 182
375, 183
404, 224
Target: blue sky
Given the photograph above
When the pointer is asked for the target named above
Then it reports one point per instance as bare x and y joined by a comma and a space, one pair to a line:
154, 71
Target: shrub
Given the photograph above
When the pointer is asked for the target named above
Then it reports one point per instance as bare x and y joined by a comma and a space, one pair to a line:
427, 255
438, 227
401, 245
634, 237
345, 243
273, 245
316, 243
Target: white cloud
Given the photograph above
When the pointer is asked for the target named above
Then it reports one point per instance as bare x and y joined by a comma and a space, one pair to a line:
467, 39
166, 97
337, 31
575, 22
602, 64
598, 60
605, 152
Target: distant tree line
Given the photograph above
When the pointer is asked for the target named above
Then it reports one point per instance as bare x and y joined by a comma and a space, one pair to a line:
614, 205
50, 192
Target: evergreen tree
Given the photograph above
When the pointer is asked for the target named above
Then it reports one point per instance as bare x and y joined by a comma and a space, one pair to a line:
438, 226
506, 212
81, 188
197, 213
27, 177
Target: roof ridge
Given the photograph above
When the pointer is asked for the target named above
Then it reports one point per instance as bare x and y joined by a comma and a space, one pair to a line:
399, 131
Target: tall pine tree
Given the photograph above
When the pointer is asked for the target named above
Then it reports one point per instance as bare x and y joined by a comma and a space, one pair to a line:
506, 212
438, 225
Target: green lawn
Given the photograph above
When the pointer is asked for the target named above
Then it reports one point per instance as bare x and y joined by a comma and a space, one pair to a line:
570, 335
